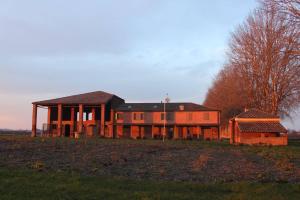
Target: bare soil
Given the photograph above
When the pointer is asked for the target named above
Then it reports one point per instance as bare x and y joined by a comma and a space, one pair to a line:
194, 161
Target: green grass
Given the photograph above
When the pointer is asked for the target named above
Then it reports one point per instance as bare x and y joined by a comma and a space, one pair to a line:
57, 168
27, 184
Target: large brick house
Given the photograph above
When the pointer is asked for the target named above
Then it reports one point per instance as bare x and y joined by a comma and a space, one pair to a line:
180, 120
257, 127
107, 115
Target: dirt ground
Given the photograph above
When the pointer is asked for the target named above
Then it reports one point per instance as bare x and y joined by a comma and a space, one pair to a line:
195, 161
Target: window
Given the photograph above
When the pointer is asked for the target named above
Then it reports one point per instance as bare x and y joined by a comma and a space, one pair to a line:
189, 116
206, 116
170, 116
162, 116
138, 116
119, 116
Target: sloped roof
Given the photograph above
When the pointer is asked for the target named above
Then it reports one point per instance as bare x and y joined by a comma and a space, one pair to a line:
97, 97
151, 107
261, 127
255, 113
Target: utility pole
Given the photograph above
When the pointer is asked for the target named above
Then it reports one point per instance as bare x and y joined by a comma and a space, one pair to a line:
164, 133
167, 100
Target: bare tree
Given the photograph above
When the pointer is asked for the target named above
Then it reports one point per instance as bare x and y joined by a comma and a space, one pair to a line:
263, 59
226, 94
289, 7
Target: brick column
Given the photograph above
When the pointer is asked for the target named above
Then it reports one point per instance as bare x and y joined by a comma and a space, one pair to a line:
152, 131
72, 122
175, 132
102, 119
49, 121
198, 131
111, 130
80, 122
34, 119
49, 115
93, 114
59, 120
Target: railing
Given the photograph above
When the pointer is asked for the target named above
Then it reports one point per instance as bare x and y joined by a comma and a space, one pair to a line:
89, 129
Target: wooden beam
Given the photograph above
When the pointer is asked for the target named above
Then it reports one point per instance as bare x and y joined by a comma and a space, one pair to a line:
34, 119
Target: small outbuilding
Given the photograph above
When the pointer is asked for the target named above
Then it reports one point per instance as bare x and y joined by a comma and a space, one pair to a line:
257, 127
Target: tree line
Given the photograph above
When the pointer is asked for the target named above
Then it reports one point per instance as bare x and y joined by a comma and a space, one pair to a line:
262, 67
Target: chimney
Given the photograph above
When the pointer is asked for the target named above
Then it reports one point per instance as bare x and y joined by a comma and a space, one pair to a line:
181, 107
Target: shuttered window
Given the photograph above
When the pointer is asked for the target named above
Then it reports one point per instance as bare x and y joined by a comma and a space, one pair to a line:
138, 116
119, 116
189, 116
162, 116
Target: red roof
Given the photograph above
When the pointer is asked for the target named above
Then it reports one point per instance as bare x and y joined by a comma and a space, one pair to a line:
169, 107
255, 113
261, 127
91, 98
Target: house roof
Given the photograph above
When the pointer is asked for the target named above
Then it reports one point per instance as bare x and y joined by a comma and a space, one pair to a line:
151, 107
261, 127
97, 97
255, 113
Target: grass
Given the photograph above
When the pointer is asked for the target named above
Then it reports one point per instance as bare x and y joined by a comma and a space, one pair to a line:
64, 168
27, 184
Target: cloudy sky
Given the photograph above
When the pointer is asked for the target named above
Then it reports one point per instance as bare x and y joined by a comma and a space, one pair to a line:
137, 49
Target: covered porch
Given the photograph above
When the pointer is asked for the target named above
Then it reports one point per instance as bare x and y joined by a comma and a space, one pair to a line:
83, 114
73, 120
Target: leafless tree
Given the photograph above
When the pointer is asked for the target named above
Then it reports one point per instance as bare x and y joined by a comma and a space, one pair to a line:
263, 63
289, 7
225, 94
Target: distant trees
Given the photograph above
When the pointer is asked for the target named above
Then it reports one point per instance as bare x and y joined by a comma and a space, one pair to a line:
263, 67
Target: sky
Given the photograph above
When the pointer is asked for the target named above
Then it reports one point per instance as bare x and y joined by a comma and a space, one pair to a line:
137, 49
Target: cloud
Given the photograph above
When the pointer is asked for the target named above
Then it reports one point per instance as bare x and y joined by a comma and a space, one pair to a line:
137, 49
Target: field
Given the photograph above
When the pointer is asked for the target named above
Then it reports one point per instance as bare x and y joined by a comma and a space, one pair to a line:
95, 168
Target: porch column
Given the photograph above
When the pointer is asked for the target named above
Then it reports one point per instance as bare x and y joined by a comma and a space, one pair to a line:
72, 121
198, 131
152, 131
231, 125
111, 130
175, 132
34, 119
93, 114
102, 119
80, 122
59, 120
49, 116
49, 120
